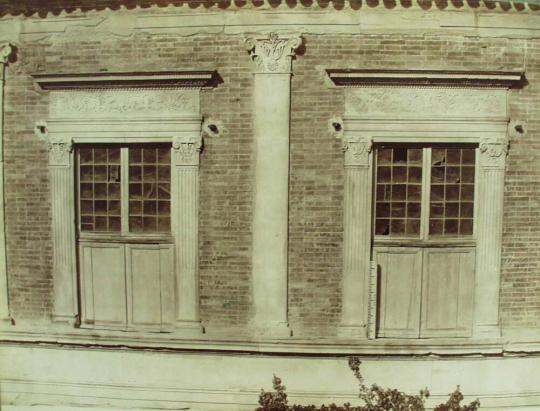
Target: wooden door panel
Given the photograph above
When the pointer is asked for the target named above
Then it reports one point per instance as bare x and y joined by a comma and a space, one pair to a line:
447, 292
104, 291
149, 274
400, 271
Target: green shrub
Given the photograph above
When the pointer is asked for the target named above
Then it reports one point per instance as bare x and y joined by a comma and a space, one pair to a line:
375, 398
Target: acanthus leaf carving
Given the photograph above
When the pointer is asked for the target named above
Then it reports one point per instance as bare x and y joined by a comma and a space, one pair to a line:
273, 55
60, 151
357, 151
493, 152
186, 150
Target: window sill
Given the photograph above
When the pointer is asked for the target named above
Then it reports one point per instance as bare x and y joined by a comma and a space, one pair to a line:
214, 341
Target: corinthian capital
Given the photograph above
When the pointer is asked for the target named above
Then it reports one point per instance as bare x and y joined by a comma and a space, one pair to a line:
357, 151
273, 55
186, 150
5, 51
59, 151
493, 152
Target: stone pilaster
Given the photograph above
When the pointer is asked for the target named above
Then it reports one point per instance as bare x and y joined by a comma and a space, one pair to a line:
271, 116
63, 230
356, 237
492, 163
5, 52
185, 228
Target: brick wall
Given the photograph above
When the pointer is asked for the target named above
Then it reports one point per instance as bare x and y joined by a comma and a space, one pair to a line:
316, 176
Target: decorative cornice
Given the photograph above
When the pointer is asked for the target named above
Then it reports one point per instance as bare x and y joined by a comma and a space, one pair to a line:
493, 152
357, 151
426, 78
167, 79
273, 55
186, 150
59, 152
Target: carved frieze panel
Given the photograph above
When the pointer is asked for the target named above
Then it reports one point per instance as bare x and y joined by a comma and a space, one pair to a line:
125, 103
429, 103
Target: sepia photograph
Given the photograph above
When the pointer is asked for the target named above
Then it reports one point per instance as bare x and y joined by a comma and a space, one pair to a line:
269, 205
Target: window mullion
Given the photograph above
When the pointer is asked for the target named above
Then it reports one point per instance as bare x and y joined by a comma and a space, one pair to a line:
426, 191
124, 189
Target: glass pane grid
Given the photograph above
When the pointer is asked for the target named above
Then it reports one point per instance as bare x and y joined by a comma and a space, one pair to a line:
451, 210
149, 189
99, 189
398, 191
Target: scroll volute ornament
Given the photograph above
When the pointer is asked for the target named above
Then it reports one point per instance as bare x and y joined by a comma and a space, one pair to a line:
60, 152
493, 152
5, 51
186, 150
357, 151
273, 55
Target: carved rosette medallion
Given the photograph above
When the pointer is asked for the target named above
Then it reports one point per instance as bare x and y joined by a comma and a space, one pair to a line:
357, 151
60, 152
5, 51
273, 55
186, 150
493, 153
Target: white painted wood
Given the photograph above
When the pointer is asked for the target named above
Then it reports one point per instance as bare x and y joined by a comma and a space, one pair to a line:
447, 292
104, 279
271, 94
149, 277
400, 271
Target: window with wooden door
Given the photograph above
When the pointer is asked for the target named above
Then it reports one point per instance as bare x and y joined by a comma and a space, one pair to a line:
423, 239
124, 235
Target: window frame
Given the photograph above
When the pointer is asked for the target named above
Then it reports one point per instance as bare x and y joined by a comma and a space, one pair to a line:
124, 235
424, 239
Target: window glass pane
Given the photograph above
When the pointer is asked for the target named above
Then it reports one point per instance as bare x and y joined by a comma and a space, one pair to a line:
398, 191
452, 191
149, 188
99, 188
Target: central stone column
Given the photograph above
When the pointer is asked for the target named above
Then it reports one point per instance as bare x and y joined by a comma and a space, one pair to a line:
273, 60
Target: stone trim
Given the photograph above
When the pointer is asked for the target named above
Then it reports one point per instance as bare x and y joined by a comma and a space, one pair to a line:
418, 78
271, 129
486, 127
272, 54
185, 228
127, 79
6, 50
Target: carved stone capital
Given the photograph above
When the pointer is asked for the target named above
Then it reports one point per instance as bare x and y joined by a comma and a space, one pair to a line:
357, 151
273, 55
493, 152
186, 150
5, 51
60, 152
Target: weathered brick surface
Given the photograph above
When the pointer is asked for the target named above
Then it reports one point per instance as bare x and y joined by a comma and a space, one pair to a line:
316, 170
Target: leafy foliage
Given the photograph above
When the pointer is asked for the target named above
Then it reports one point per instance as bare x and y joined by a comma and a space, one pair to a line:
375, 398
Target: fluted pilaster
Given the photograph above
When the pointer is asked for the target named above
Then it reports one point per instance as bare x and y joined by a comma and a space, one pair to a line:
185, 227
5, 52
272, 76
63, 230
488, 253
356, 237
